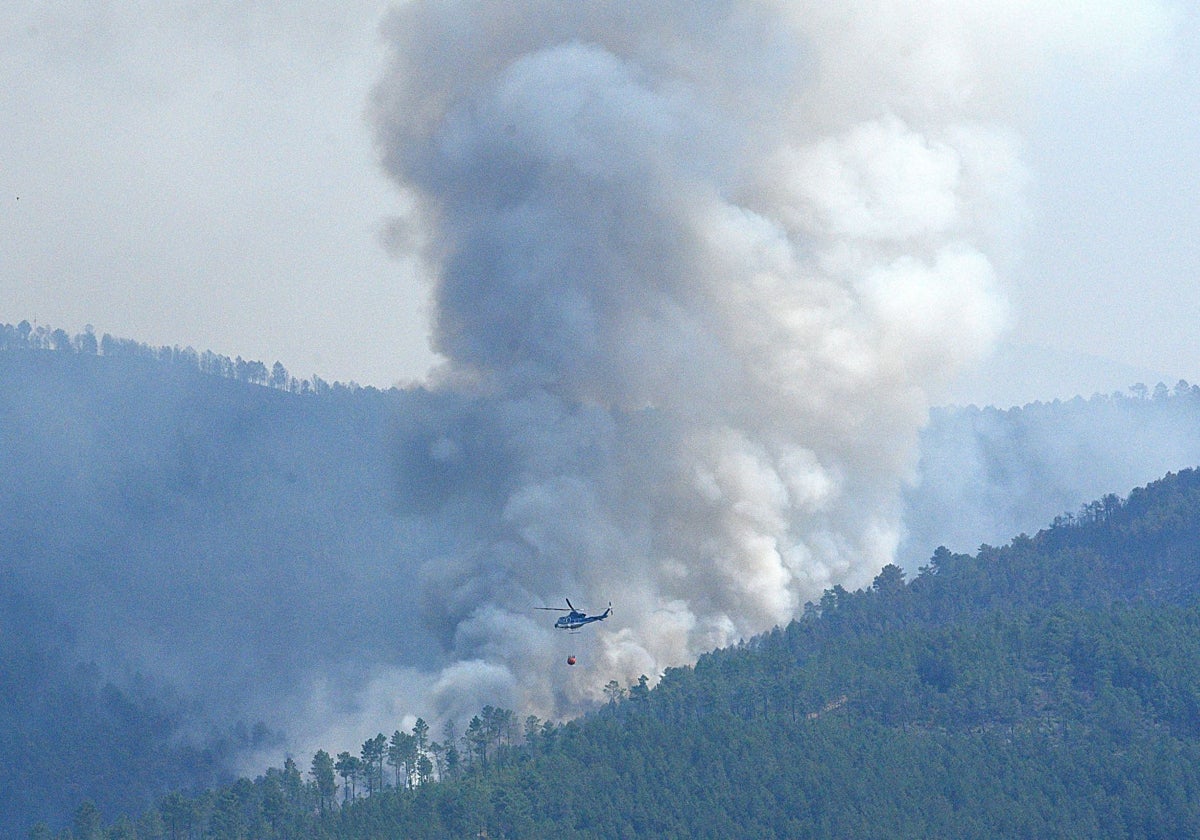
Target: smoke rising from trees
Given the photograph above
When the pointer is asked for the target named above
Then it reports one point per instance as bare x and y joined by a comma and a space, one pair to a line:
698, 269
695, 270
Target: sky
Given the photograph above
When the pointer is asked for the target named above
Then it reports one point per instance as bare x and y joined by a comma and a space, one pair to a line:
1108, 280
206, 174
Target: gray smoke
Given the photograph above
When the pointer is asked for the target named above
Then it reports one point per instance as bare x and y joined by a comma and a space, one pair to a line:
698, 267
695, 269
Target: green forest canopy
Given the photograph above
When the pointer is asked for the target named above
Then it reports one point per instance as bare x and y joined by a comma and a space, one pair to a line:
1049, 687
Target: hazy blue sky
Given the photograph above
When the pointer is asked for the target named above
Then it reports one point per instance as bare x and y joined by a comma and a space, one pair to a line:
203, 174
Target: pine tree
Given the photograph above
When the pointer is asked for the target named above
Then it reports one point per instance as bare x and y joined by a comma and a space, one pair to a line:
323, 777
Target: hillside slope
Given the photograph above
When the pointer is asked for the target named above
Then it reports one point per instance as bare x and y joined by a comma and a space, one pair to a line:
179, 550
1047, 688
199, 569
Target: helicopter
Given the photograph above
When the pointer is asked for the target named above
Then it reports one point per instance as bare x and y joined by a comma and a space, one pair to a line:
574, 619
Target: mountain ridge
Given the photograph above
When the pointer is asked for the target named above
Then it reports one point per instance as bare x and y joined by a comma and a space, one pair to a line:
208, 484
1041, 688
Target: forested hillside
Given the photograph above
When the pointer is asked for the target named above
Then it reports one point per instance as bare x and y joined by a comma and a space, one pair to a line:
194, 547
1046, 688
170, 538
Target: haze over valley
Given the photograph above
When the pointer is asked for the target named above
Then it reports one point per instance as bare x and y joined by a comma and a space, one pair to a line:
244, 569
686, 304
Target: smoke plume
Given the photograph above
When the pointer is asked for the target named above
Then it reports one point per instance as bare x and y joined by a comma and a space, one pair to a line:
698, 267
695, 270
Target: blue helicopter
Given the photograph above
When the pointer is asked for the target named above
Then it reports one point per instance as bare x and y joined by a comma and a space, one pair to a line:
574, 619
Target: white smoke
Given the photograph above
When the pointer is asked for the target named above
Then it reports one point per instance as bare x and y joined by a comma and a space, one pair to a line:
696, 267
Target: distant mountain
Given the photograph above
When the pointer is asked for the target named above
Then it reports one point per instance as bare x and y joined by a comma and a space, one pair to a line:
986, 474
1016, 374
1045, 689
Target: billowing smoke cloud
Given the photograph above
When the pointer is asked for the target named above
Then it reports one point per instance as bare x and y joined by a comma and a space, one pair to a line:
699, 265
695, 270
